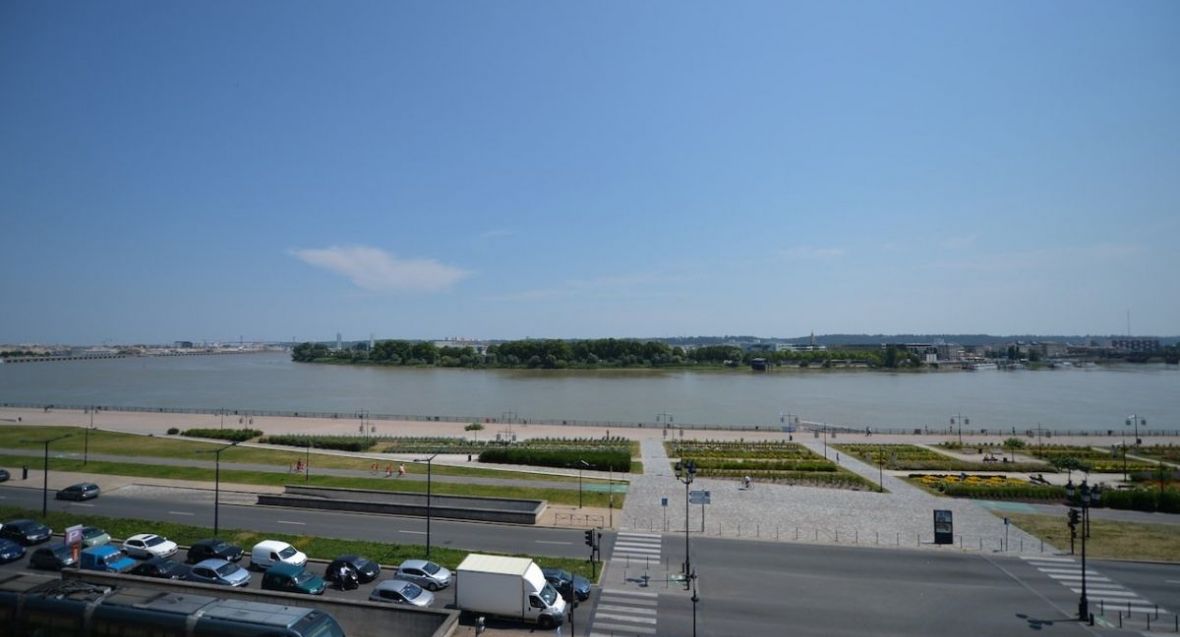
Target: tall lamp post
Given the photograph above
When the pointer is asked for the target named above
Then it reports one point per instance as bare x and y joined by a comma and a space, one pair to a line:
1084, 498
86, 440
428, 462
1135, 420
217, 484
45, 472
582, 464
695, 599
685, 472
960, 420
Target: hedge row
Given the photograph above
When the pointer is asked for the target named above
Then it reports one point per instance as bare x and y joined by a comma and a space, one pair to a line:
232, 435
739, 464
1146, 499
599, 459
339, 443
1030, 492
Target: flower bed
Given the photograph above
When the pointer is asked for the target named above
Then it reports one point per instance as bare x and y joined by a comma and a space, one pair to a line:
915, 458
773, 462
987, 487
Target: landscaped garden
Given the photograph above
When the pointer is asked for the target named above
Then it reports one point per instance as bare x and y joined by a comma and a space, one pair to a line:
987, 487
1094, 460
775, 462
915, 458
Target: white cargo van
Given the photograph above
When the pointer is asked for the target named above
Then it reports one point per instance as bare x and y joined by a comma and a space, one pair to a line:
512, 587
267, 553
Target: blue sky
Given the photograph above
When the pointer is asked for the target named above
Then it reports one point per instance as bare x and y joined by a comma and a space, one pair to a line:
270, 170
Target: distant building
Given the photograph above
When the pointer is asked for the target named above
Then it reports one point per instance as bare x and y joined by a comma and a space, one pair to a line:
1135, 344
183, 344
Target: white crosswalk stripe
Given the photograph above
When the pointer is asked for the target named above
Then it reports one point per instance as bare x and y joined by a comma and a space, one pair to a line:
1101, 591
627, 612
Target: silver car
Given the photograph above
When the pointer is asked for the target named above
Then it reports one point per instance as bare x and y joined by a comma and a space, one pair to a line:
218, 571
424, 573
398, 591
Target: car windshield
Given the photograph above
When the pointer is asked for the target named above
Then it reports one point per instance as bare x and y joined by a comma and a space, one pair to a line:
227, 569
360, 563
219, 547
61, 551
548, 594
412, 591
431, 567
287, 552
111, 558
92, 532
304, 577
154, 540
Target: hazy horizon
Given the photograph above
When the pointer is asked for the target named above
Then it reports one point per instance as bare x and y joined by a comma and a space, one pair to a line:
289, 170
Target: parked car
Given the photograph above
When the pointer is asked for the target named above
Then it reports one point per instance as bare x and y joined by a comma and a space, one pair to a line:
160, 567
399, 591
202, 550
94, 536
10, 551
149, 545
267, 553
26, 532
292, 579
366, 570
80, 491
52, 558
424, 573
106, 558
4, 475
568, 584
218, 571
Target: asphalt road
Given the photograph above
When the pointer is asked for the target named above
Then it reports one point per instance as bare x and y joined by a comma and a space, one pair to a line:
197, 508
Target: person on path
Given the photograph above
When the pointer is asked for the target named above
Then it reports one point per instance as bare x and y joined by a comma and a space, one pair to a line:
389, 471
747, 481
401, 470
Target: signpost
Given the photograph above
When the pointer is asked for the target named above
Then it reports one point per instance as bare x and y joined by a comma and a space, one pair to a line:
664, 506
74, 541
701, 498
944, 527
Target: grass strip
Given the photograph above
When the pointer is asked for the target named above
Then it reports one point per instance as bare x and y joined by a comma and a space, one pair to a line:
270, 478
118, 443
1108, 538
316, 547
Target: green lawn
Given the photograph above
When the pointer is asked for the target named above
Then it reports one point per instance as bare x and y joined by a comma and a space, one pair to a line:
387, 554
1108, 539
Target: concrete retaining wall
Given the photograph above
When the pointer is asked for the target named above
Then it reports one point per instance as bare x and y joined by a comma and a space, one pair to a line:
358, 618
398, 503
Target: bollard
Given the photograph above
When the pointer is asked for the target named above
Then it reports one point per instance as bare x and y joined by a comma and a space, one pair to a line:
878, 535
758, 529
817, 535
856, 536
897, 539
1149, 623
1021, 545
1157, 611
796, 534
981, 544
1120, 619
1102, 607
739, 529
837, 535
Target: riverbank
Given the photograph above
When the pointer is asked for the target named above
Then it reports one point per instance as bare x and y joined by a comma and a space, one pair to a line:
158, 421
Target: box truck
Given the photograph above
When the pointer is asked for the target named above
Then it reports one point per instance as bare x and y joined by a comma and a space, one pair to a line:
510, 587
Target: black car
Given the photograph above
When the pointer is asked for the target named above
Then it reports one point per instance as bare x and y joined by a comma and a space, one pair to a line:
366, 570
160, 567
4, 475
567, 583
52, 558
10, 551
213, 547
80, 491
27, 532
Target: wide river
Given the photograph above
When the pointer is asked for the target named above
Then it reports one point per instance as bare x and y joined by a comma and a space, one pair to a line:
1094, 399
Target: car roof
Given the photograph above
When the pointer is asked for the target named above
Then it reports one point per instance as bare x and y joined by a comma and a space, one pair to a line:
142, 536
285, 569
92, 529
271, 544
415, 563
213, 563
394, 585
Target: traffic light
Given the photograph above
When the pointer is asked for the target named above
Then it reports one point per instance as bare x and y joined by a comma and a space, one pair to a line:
1074, 519
589, 537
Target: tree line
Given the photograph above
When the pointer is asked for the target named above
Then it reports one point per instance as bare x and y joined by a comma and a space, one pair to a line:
583, 354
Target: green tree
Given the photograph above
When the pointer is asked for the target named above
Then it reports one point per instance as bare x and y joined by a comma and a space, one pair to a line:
476, 427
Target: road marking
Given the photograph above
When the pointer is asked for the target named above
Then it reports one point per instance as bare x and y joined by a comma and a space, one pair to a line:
1067, 571
413, 532
625, 609
625, 618
180, 513
1045, 559
551, 542
634, 593
1106, 591
621, 628
1078, 577
83, 504
644, 535
1172, 581
291, 522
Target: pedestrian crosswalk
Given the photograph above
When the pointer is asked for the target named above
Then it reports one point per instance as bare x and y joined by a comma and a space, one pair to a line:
1104, 595
627, 612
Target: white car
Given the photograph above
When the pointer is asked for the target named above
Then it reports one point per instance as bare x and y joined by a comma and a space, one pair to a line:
149, 545
267, 553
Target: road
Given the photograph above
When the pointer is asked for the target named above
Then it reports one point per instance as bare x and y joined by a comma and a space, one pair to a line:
196, 507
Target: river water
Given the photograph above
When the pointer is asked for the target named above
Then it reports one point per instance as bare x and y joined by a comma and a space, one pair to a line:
1093, 399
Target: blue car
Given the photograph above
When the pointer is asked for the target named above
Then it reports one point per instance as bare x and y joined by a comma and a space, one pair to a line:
10, 551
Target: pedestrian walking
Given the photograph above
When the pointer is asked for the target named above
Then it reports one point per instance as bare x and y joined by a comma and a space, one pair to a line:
747, 481
389, 471
401, 470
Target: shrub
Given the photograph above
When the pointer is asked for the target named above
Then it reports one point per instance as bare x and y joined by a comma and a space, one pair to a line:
232, 435
339, 443
172, 431
599, 459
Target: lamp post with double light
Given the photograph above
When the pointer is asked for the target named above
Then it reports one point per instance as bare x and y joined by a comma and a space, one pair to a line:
45, 472
217, 484
1083, 494
960, 421
686, 470
582, 464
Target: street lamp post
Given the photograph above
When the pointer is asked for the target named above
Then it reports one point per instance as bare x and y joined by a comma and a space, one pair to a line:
881, 468
86, 440
45, 473
695, 599
1135, 420
960, 420
582, 464
307, 461
217, 484
428, 462
685, 472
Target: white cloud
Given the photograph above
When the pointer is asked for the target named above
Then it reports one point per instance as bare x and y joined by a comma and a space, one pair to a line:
379, 271
812, 253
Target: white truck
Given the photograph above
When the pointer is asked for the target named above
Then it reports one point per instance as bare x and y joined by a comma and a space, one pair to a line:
512, 587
